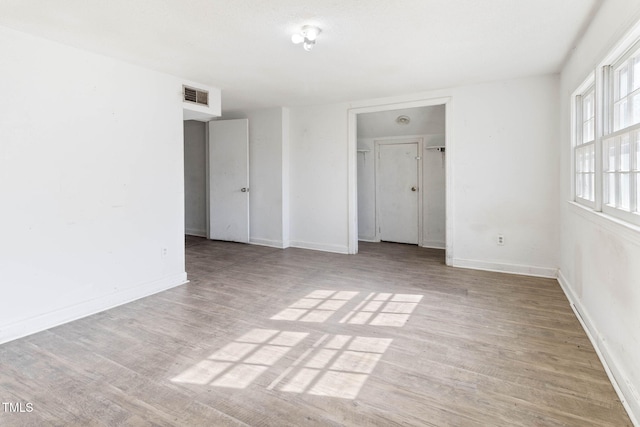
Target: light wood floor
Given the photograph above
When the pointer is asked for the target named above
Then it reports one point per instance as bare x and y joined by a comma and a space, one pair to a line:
292, 337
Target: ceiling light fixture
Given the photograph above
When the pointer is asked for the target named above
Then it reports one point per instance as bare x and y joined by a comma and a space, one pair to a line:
403, 120
307, 36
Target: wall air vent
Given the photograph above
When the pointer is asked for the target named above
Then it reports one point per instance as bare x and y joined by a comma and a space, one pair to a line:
196, 96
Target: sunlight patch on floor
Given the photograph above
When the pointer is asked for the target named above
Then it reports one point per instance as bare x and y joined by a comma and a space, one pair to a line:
242, 361
383, 309
334, 365
376, 309
317, 307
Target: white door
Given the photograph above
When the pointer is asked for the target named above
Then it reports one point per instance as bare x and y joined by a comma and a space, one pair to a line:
397, 192
229, 180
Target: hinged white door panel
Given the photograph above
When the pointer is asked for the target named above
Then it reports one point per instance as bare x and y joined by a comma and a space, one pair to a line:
229, 180
397, 192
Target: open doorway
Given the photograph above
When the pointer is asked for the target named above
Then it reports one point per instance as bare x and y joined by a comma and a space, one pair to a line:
195, 178
399, 175
216, 179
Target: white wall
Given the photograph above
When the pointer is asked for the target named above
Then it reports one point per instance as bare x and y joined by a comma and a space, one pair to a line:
286, 180
268, 174
599, 259
504, 145
319, 177
506, 175
195, 178
91, 183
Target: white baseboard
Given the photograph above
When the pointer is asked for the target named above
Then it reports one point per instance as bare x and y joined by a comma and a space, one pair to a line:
194, 232
623, 387
433, 244
58, 317
525, 270
267, 242
369, 239
339, 249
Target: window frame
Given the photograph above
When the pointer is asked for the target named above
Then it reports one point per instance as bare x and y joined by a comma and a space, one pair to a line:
612, 132
585, 89
604, 84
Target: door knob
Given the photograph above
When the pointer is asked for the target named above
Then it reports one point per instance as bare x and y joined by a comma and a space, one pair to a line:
414, 189
244, 189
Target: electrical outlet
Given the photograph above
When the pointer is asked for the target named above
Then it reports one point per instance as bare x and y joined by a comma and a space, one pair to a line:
164, 252
500, 240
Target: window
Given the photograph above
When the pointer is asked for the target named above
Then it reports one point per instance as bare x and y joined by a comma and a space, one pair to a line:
621, 155
626, 93
585, 148
606, 142
621, 147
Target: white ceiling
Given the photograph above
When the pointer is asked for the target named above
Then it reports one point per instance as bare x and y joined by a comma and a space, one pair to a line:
367, 49
422, 121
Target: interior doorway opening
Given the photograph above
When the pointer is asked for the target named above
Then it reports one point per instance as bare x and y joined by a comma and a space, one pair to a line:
195, 178
216, 179
400, 175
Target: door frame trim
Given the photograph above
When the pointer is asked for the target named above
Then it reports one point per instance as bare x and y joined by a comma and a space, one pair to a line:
419, 149
352, 163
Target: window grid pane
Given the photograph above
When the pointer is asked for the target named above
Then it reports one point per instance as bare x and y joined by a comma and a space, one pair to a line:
609, 149
579, 186
624, 200
585, 171
636, 152
624, 153
635, 105
588, 131
626, 106
637, 196
620, 159
620, 114
579, 161
588, 110
636, 73
622, 80
609, 189
588, 116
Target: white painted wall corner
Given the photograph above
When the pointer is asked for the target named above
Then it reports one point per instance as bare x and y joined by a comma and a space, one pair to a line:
268, 242
370, 239
338, 249
623, 387
434, 244
194, 232
49, 320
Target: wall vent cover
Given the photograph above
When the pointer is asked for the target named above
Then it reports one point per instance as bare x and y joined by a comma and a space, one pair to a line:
196, 96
